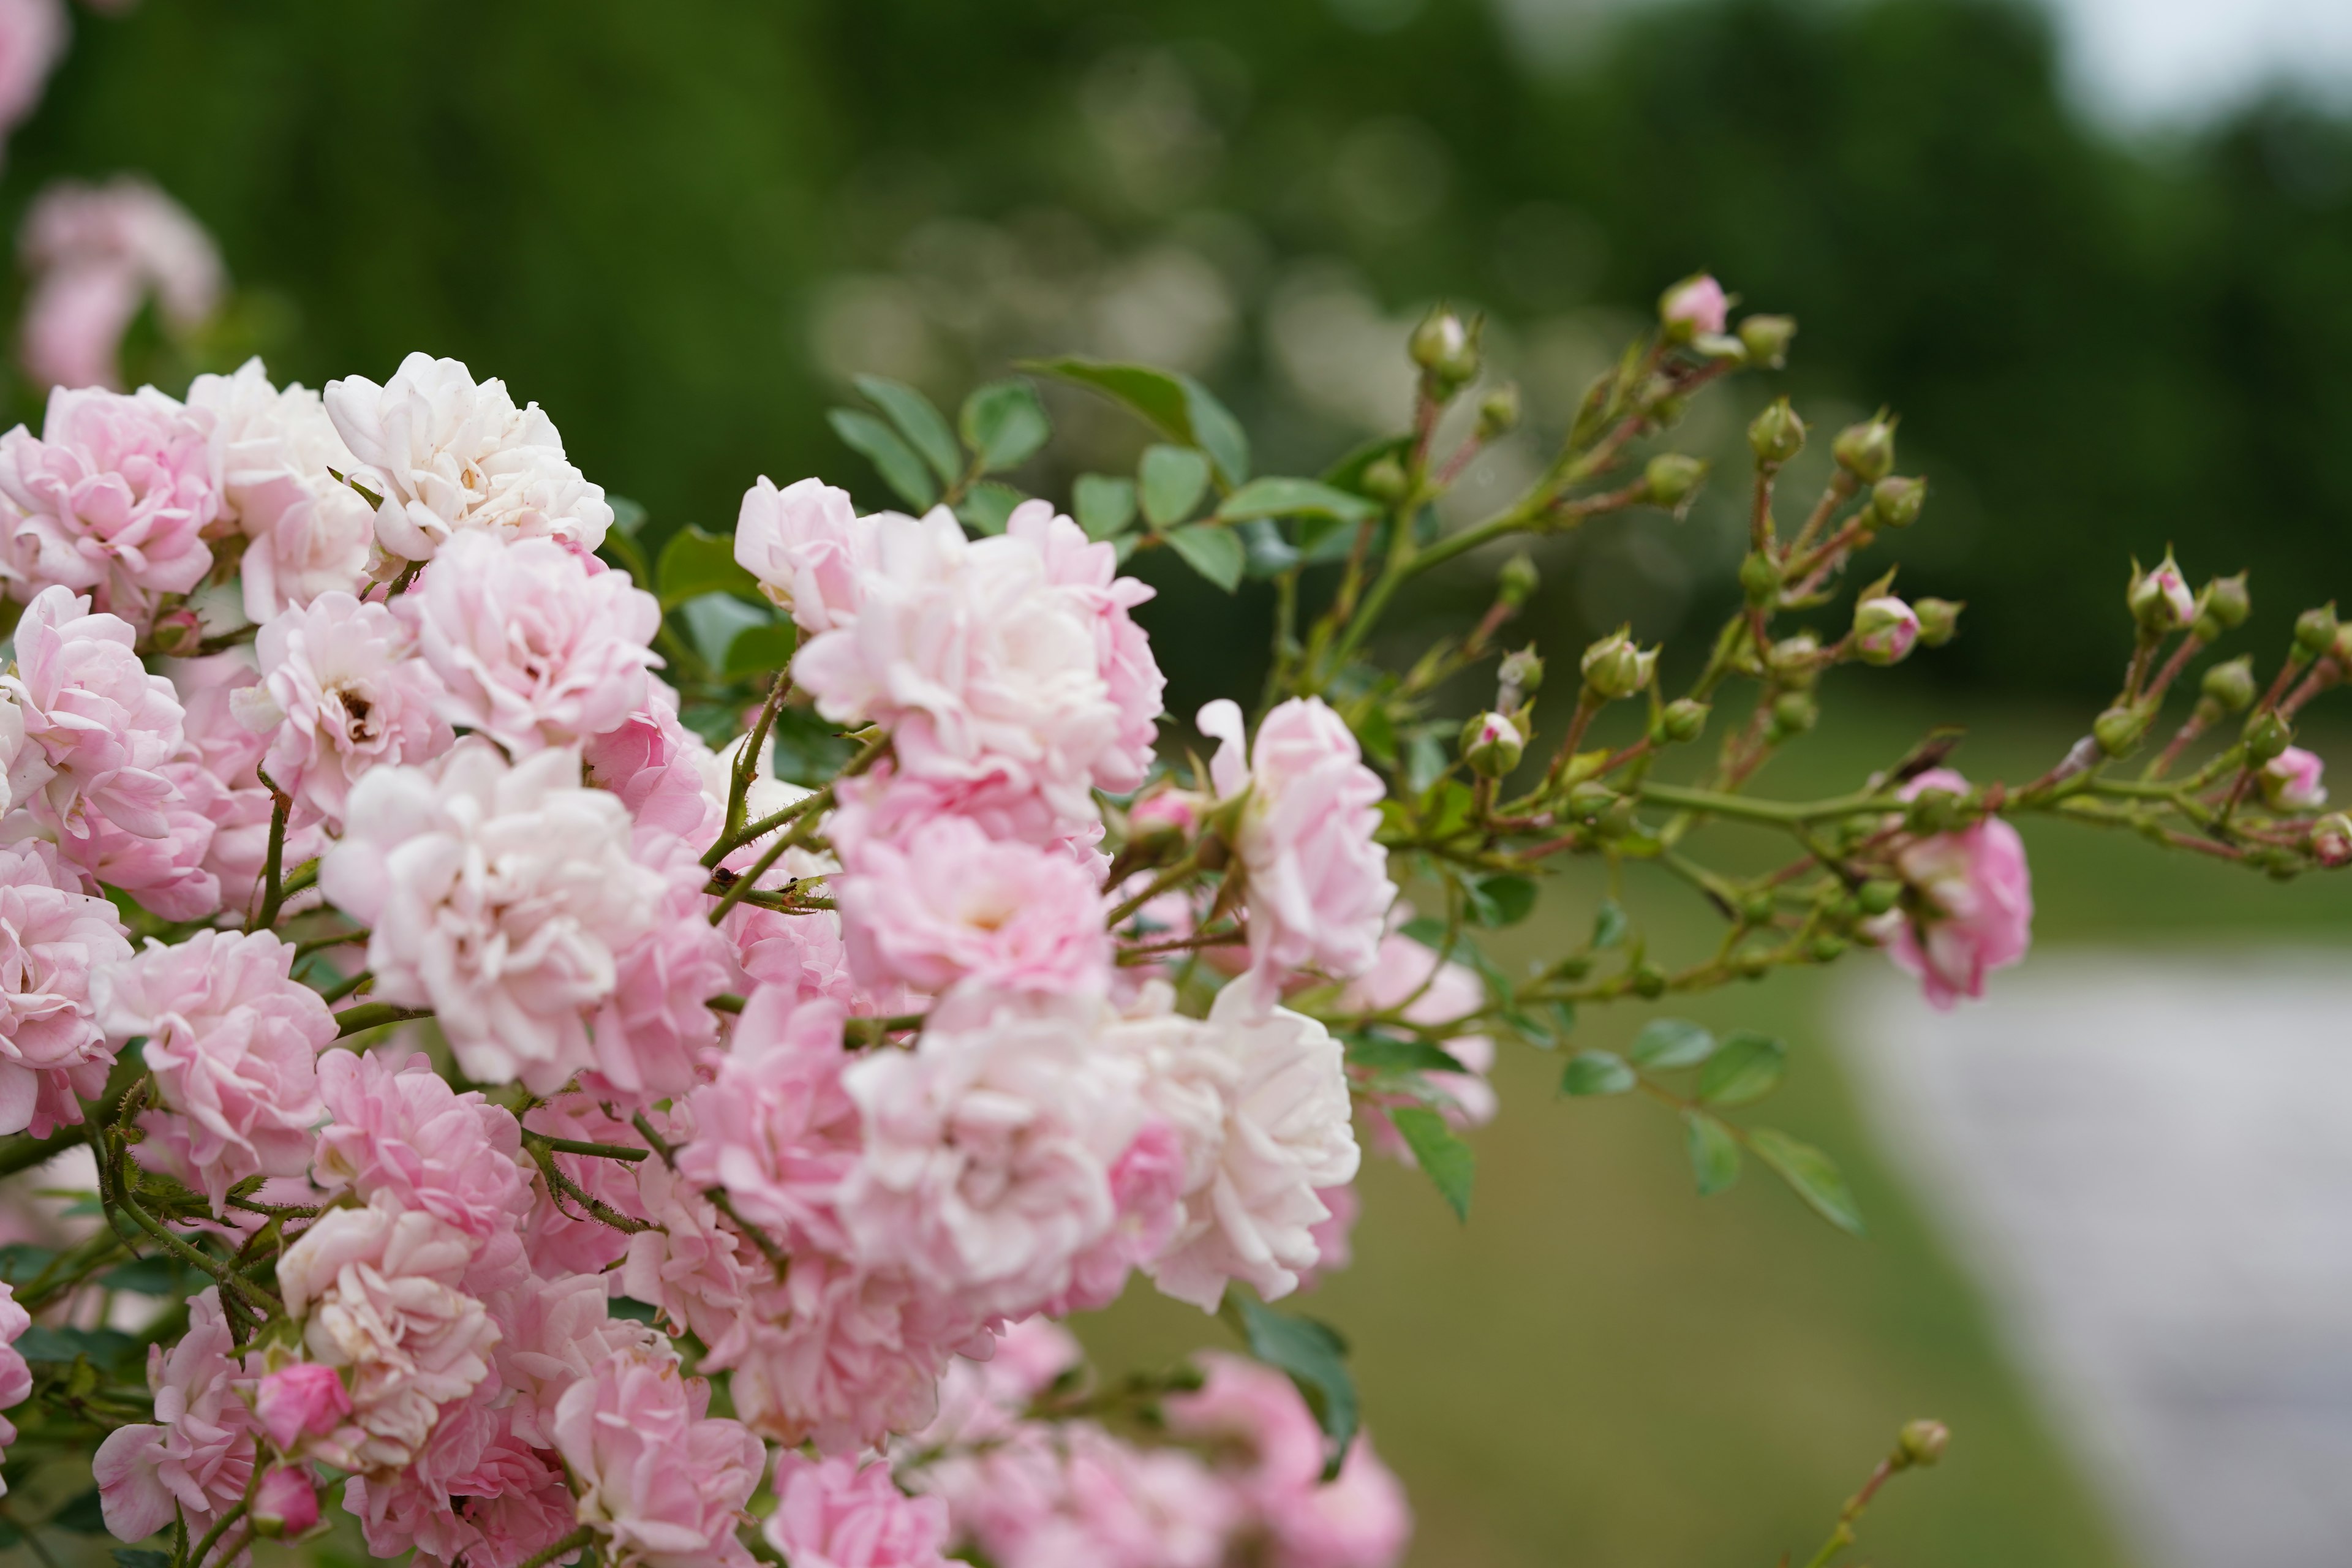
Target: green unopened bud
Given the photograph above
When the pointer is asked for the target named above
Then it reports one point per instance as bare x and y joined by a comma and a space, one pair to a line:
1767, 339
1896, 500
1776, 435
1796, 660
1867, 450
1759, 579
1517, 583
1385, 480
1921, 1443
1522, 672
1588, 800
2231, 684
1939, 620
1649, 982
1613, 667
2160, 600
1445, 347
177, 633
1492, 745
2341, 648
1827, 949
2228, 603
1793, 713
1932, 811
1498, 412
2118, 729
2265, 736
1878, 894
1683, 720
2315, 631
1671, 478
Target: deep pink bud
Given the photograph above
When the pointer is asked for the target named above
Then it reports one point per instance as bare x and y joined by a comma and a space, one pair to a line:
299, 1400
286, 1503
1696, 307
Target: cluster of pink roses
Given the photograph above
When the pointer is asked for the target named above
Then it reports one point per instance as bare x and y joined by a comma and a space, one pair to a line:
840, 1146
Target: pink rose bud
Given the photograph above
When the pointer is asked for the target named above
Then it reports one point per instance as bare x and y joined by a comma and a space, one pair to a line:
1492, 745
2331, 840
300, 1400
2160, 600
286, 1504
1169, 813
1696, 307
1883, 630
2291, 780
178, 633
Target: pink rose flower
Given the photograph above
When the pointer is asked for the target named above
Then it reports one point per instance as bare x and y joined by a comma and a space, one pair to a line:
664, 1482
1089, 569
95, 253
2290, 780
198, 1454
693, 1268
553, 1332
989, 1147
886, 803
1334, 1247
405, 1132
99, 730
947, 904
809, 549
307, 532
1409, 977
1696, 307
531, 647
1974, 910
658, 766
1318, 890
829, 1513
54, 936
342, 692
304, 1400
558, 1239
376, 1290
499, 895
15, 1376
32, 37
775, 1128
217, 777
654, 1031
113, 497
233, 1042
287, 1502
448, 454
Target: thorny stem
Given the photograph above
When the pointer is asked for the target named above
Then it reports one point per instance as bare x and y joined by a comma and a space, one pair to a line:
572, 1543
374, 1014
273, 885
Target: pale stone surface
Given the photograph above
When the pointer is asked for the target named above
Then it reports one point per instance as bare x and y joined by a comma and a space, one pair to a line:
2148, 1162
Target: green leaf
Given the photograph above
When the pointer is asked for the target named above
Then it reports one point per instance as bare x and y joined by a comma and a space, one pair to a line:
1609, 925
1813, 1175
21, 1260
1504, 900
1273, 497
1714, 1153
808, 752
1269, 554
986, 508
713, 621
902, 470
693, 563
628, 516
1004, 424
760, 650
1452, 1168
924, 426
1347, 473
1105, 505
103, 1346
1175, 405
1427, 929
84, 1516
141, 1557
1747, 1067
1596, 1072
1211, 550
1315, 1358
1425, 760
1174, 480
1386, 1053
1671, 1043
147, 1275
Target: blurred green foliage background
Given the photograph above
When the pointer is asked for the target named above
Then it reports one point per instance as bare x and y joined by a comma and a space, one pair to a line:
682, 228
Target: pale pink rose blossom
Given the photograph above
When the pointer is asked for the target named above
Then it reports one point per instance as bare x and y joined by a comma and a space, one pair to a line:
95, 253
342, 692
515, 1504
655, 1031
532, 646
694, 1269
1696, 307
498, 895
1088, 569
303, 1400
99, 730
113, 498
218, 778
54, 936
376, 1290
947, 904
15, 1376
658, 767
1334, 1238
198, 1455
32, 37
1411, 978
663, 1482
989, 1148
775, 1128
552, 1331
1147, 1194
2290, 780
307, 532
808, 549
448, 455
986, 669
233, 1042
558, 1239
402, 1130
1273, 1457
410, 1507
1318, 891
831, 1513
168, 874
887, 804
1262, 1100
287, 1502
1974, 910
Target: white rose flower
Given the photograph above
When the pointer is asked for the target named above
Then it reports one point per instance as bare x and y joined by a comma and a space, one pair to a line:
308, 532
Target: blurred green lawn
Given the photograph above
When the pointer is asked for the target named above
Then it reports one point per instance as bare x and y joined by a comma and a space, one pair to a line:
1603, 1368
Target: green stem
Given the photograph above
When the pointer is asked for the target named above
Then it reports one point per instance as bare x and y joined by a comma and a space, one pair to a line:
572, 1543
374, 1014
580, 1146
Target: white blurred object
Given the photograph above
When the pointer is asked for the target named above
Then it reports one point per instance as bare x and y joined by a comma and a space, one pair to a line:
2149, 1162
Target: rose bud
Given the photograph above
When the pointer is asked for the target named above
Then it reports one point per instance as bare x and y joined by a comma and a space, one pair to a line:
1939, 620
2291, 780
1671, 478
304, 1399
1867, 450
1492, 745
1767, 338
1776, 435
1696, 307
1895, 502
2160, 600
1613, 667
286, 1503
2331, 840
2315, 631
2230, 684
1884, 629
